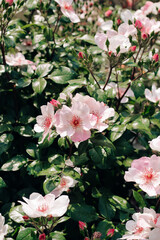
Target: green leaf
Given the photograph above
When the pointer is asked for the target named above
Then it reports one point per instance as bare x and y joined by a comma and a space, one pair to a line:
32, 4
32, 150
62, 75
50, 184
106, 209
39, 85
139, 199
14, 164
43, 69
117, 132
82, 212
22, 82
103, 227
26, 234
119, 203
57, 235
100, 140
88, 38
16, 214
2, 183
79, 160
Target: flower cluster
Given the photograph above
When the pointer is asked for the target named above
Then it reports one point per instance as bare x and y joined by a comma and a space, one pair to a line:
76, 121
144, 226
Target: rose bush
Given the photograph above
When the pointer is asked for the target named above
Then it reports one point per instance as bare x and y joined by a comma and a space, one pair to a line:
79, 116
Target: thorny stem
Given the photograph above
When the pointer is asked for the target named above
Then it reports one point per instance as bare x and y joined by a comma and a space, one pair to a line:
109, 75
3, 53
55, 29
129, 85
70, 147
91, 72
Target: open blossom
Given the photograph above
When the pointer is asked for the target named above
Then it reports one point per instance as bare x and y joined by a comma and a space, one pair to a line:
3, 228
45, 121
150, 7
104, 25
10, 2
75, 122
98, 109
116, 39
65, 183
39, 206
141, 225
18, 60
145, 172
155, 144
67, 10
154, 95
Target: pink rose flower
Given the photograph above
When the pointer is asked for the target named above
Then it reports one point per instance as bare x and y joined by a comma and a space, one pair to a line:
145, 172
153, 95
18, 60
75, 122
141, 225
38, 206
82, 225
108, 13
45, 121
155, 57
133, 48
65, 183
155, 144
67, 10
98, 109
10, 2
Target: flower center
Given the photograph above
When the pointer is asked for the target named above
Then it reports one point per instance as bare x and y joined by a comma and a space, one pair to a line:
68, 7
76, 121
47, 122
138, 230
43, 207
63, 182
149, 174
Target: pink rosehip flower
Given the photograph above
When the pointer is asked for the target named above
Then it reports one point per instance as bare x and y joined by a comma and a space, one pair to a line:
65, 183
18, 60
155, 57
155, 144
42, 236
98, 109
110, 232
145, 172
80, 55
45, 121
154, 95
82, 225
55, 103
108, 13
138, 24
10, 2
75, 122
133, 48
144, 36
67, 10
38, 206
